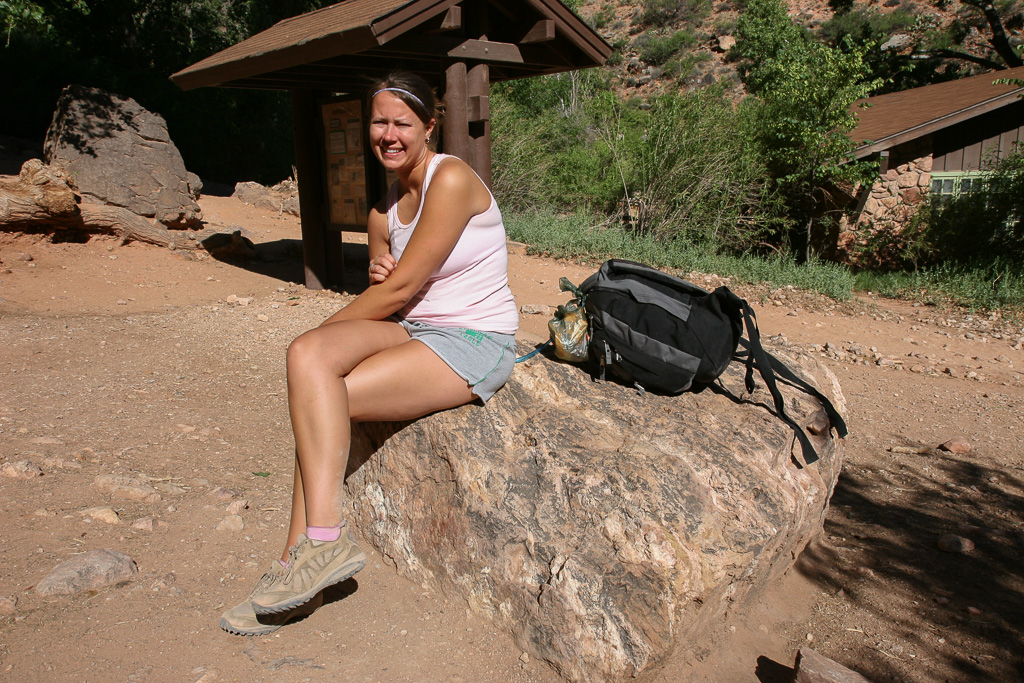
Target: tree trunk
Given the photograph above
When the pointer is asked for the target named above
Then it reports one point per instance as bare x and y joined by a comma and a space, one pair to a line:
39, 197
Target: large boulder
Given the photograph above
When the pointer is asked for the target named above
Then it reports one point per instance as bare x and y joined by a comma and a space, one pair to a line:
115, 152
604, 529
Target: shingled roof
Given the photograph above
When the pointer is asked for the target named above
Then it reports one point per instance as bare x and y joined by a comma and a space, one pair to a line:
338, 47
890, 120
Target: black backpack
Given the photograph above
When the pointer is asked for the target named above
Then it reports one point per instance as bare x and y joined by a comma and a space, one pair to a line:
659, 333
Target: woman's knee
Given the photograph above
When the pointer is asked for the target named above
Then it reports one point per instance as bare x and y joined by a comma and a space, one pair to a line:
306, 352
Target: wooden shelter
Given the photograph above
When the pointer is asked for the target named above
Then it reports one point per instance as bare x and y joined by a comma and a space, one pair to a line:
328, 58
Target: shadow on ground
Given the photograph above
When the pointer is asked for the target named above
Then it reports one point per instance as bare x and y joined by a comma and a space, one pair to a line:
964, 610
282, 260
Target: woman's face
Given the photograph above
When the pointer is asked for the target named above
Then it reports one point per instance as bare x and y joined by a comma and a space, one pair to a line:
397, 135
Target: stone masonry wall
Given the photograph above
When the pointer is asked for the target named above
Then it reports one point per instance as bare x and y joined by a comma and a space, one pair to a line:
895, 196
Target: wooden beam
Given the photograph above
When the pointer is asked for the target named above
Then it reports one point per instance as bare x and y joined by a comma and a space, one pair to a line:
312, 219
452, 19
349, 42
479, 85
456, 121
409, 17
487, 51
479, 108
541, 32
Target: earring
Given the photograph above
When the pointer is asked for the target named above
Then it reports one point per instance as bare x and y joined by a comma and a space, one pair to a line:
428, 140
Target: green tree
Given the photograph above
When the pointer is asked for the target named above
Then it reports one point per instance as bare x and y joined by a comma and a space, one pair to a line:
130, 48
803, 92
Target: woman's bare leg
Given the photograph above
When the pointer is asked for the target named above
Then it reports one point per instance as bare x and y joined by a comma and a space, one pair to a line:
318, 404
356, 370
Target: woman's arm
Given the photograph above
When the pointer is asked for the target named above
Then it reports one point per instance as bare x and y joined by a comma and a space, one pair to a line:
378, 242
455, 195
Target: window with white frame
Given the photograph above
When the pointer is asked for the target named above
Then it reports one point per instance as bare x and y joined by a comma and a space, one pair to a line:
949, 184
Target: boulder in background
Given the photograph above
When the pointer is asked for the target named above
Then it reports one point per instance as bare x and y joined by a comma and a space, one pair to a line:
115, 152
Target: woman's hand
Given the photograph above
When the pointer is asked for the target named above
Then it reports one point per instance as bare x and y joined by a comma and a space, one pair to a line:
381, 268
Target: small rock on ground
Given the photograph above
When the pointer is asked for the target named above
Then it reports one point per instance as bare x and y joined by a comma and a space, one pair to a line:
107, 515
22, 469
94, 569
127, 487
951, 543
812, 667
232, 523
149, 524
957, 445
8, 605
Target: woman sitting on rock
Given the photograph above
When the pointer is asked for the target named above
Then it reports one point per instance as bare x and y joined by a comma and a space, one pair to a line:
434, 330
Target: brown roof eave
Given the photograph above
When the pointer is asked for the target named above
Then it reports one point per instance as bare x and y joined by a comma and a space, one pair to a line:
890, 141
346, 42
592, 44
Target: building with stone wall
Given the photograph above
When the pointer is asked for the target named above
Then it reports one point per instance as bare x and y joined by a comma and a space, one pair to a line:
935, 139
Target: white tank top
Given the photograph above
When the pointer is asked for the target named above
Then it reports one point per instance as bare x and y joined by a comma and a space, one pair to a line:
470, 287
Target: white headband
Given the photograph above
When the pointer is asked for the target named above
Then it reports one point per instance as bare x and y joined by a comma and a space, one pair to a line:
404, 92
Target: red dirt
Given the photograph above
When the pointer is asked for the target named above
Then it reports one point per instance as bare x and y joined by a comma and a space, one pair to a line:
141, 361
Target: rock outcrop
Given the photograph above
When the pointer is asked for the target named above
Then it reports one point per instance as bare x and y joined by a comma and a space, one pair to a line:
282, 198
114, 152
604, 529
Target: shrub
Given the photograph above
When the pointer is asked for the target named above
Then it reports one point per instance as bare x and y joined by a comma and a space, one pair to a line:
983, 225
590, 237
656, 50
676, 12
688, 170
864, 24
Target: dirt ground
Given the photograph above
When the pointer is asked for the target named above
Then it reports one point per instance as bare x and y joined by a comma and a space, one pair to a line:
136, 360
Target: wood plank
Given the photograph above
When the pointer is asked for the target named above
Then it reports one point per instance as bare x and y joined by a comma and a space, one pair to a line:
409, 17
452, 19
479, 85
349, 42
1008, 142
312, 218
972, 157
456, 123
541, 32
990, 149
479, 108
487, 50
955, 160
584, 37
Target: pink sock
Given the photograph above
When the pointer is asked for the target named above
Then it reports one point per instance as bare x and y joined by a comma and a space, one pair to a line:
324, 533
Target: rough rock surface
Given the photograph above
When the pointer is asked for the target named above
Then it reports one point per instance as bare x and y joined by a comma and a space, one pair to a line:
94, 569
812, 667
116, 152
604, 529
283, 197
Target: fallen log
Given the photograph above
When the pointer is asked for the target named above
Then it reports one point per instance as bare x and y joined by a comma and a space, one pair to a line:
39, 197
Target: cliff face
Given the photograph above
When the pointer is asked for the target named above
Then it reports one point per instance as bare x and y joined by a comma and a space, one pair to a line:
603, 529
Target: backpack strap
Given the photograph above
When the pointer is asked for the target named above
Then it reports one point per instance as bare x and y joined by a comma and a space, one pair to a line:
767, 365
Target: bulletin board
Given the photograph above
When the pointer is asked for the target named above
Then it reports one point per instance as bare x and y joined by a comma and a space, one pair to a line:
348, 177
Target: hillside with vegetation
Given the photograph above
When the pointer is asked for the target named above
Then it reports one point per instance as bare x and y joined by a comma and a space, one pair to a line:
714, 138
717, 135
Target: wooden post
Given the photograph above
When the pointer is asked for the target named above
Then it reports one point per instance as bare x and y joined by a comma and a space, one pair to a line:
305, 120
456, 116
479, 90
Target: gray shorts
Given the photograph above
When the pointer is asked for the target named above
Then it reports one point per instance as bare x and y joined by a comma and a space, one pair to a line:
484, 359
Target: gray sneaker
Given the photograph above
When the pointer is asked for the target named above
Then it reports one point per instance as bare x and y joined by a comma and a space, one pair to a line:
312, 566
243, 621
